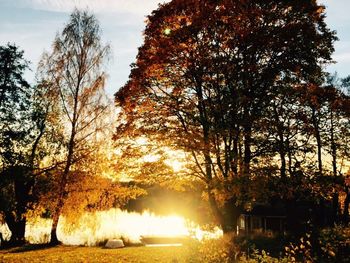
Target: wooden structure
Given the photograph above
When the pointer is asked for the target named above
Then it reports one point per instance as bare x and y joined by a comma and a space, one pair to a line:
262, 219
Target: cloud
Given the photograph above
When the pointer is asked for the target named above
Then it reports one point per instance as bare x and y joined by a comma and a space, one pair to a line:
137, 7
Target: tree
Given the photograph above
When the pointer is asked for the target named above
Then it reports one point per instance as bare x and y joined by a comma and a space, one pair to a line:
336, 140
15, 94
74, 72
205, 76
23, 130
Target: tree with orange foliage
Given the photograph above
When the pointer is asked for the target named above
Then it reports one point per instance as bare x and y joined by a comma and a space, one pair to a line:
205, 75
73, 71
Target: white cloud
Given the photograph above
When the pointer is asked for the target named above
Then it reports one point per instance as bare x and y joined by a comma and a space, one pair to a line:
139, 7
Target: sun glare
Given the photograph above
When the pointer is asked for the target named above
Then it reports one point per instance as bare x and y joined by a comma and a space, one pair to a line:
167, 31
176, 165
116, 223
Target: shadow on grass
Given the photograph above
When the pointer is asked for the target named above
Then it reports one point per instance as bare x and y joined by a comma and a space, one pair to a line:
31, 247
34, 247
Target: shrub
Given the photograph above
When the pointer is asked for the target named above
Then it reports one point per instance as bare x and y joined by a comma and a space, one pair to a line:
222, 250
335, 244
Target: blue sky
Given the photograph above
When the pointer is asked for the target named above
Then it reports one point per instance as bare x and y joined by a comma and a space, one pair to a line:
32, 24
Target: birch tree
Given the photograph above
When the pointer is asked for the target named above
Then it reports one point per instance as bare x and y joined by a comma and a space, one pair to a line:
74, 70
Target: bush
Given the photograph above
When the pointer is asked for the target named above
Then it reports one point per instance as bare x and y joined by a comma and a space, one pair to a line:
272, 245
335, 244
222, 250
329, 246
263, 257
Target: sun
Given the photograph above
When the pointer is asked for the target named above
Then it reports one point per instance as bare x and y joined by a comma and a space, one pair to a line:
167, 31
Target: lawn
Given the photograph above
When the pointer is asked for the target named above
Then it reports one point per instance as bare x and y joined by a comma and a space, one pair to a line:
98, 254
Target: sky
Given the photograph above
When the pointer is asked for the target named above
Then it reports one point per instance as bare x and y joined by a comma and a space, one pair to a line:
33, 24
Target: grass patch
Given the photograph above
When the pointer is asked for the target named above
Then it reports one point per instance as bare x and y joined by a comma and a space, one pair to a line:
97, 254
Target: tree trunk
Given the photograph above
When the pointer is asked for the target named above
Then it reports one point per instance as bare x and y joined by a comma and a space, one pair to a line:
16, 219
17, 228
63, 185
318, 140
346, 206
215, 210
56, 216
235, 157
1, 240
247, 151
335, 207
333, 147
280, 143
60, 203
283, 164
290, 170
231, 214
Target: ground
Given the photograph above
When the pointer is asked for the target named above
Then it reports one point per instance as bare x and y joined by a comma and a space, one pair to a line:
98, 254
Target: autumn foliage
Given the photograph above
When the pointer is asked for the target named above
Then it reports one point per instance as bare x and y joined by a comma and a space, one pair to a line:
235, 85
